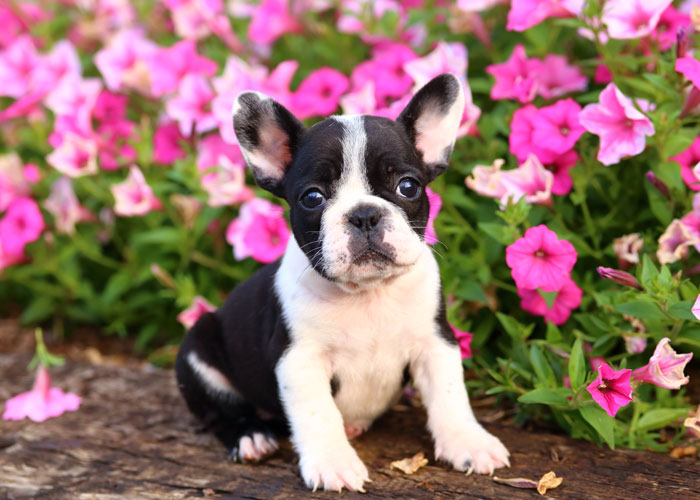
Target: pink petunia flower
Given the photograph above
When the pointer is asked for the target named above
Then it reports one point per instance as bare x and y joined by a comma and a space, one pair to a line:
60, 63
621, 127
110, 107
435, 204
75, 97
557, 128
560, 167
212, 148
360, 101
115, 147
191, 107
556, 77
667, 28
665, 367
199, 307
122, 61
627, 249
628, 19
568, 298
65, 208
168, 66
225, 184
634, 344
521, 139
134, 196
385, 72
167, 144
271, 20
675, 242
517, 78
319, 93
541, 260
21, 224
486, 180
602, 74
13, 181
76, 156
688, 160
689, 67
525, 14
260, 231
464, 339
530, 180
42, 402
612, 389
18, 65
696, 308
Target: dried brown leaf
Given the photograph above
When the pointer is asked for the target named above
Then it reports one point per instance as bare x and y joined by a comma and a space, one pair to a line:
516, 482
683, 451
547, 482
410, 465
208, 492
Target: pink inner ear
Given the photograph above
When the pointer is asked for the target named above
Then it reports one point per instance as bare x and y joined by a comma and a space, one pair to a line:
436, 132
272, 155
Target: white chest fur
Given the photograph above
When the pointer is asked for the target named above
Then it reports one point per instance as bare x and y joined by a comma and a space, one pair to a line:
364, 340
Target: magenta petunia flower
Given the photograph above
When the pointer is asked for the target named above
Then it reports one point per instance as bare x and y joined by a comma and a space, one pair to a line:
260, 231
191, 106
42, 402
560, 169
18, 65
689, 159
568, 298
521, 139
271, 20
627, 19
319, 93
525, 14
385, 72
541, 260
464, 339
435, 204
557, 128
621, 127
65, 208
167, 143
21, 224
612, 389
670, 22
167, 66
134, 196
517, 78
665, 367
199, 306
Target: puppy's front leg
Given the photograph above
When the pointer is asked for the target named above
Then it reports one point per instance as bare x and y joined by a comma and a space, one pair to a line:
459, 438
326, 458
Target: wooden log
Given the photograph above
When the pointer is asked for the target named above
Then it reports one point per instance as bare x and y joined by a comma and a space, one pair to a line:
134, 439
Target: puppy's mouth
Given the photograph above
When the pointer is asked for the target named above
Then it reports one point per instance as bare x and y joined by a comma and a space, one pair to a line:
372, 255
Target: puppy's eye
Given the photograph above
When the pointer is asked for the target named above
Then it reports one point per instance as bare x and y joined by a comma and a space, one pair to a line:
408, 188
311, 199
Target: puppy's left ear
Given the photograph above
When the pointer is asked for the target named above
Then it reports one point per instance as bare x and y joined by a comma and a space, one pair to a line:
431, 120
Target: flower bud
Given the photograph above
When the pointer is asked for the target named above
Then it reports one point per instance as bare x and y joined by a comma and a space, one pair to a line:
620, 277
658, 184
681, 42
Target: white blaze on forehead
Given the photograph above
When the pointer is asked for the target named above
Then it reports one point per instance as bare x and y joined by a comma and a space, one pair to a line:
354, 141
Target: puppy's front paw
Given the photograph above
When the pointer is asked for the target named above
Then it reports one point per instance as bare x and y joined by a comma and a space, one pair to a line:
253, 448
473, 450
334, 469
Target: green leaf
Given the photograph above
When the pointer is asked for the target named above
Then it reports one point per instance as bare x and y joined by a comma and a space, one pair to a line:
167, 236
549, 297
649, 271
641, 309
553, 333
681, 310
577, 365
601, 422
471, 290
660, 417
556, 396
499, 232
541, 366
38, 310
516, 330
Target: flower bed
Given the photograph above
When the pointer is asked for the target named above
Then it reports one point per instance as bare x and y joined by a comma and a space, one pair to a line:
566, 228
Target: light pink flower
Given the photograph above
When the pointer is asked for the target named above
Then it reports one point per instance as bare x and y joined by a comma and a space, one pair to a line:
696, 308
197, 19
517, 78
688, 160
627, 249
319, 93
541, 260
134, 196
464, 339
168, 66
477, 5
42, 402
18, 65
167, 144
557, 128
674, 243
627, 19
634, 344
225, 183
486, 180
199, 307
618, 123
568, 298
75, 97
191, 107
271, 20
556, 77
122, 61
665, 367
435, 204
612, 389
21, 224
259, 231
13, 182
530, 180
76, 156
360, 102
61, 62
525, 14
212, 148
65, 208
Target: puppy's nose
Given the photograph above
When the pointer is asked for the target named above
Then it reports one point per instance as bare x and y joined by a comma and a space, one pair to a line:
365, 217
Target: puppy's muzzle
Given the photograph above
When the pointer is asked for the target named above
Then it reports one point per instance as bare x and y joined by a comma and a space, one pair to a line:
367, 224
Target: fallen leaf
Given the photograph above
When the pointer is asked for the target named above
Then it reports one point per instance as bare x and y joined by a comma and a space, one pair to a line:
516, 482
410, 465
548, 481
208, 492
683, 451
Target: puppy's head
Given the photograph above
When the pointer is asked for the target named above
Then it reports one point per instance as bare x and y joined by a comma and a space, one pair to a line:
355, 184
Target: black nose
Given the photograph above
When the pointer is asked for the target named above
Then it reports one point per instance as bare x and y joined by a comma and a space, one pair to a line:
365, 217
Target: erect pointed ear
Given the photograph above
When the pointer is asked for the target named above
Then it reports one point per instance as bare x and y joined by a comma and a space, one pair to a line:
268, 134
431, 120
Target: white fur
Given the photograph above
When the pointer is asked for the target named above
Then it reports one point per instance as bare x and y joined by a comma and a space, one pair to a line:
436, 131
255, 448
213, 380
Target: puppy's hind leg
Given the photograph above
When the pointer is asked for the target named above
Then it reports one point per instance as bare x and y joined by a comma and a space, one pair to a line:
200, 368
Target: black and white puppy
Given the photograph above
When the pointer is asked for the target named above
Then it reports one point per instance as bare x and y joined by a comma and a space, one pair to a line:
322, 341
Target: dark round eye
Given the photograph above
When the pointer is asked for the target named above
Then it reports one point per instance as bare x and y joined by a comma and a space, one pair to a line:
408, 188
312, 199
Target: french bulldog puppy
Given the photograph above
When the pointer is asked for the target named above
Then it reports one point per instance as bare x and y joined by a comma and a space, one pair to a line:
322, 342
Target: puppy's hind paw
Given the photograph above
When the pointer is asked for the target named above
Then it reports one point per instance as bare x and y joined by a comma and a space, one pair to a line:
253, 448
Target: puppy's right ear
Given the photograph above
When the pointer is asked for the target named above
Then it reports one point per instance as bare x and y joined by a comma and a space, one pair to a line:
268, 134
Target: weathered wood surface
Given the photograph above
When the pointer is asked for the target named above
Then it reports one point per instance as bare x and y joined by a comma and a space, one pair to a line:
133, 439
